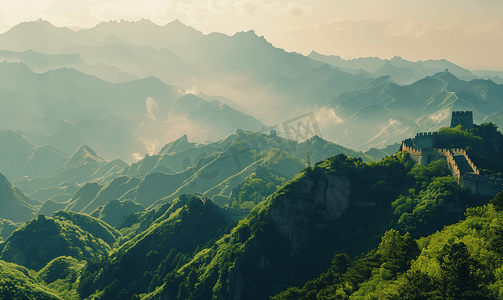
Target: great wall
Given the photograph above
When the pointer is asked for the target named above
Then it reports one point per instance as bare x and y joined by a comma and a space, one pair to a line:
421, 150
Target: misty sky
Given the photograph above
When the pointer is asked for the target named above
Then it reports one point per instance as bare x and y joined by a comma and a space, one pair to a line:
466, 32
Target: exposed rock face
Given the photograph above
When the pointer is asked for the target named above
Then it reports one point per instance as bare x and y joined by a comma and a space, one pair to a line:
314, 204
278, 235
308, 206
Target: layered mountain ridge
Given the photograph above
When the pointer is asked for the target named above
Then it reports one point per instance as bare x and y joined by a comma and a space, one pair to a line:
157, 162
228, 67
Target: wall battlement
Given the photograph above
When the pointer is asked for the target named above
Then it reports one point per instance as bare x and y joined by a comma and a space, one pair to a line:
421, 150
462, 113
477, 184
464, 118
421, 134
425, 139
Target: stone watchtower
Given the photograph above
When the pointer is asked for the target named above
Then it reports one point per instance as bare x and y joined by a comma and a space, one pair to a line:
425, 140
464, 118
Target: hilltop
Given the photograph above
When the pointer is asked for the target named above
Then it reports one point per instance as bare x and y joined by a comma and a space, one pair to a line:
157, 162
335, 206
252, 90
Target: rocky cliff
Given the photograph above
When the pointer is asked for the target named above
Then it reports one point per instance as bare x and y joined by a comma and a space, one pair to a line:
308, 206
277, 235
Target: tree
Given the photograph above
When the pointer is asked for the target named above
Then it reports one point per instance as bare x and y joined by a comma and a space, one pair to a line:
416, 285
498, 202
307, 158
459, 270
397, 252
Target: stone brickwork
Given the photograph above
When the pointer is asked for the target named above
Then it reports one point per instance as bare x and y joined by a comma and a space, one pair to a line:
424, 156
464, 118
477, 184
425, 139
482, 185
472, 165
421, 151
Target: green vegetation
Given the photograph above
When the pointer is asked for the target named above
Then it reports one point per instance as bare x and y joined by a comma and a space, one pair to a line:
256, 188
60, 276
66, 234
114, 211
182, 230
431, 201
463, 261
394, 211
483, 144
210, 272
186, 249
154, 230
346, 277
16, 283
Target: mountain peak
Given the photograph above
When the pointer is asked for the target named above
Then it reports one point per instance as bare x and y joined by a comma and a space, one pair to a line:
397, 59
38, 23
41, 21
445, 74
29, 35
249, 33
87, 149
176, 21
14, 138
83, 155
4, 182
323, 67
180, 144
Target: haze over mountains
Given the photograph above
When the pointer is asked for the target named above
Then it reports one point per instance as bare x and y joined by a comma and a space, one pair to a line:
151, 162
99, 80
132, 104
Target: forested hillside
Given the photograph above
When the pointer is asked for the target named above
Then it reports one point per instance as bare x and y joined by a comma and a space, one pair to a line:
420, 233
140, 161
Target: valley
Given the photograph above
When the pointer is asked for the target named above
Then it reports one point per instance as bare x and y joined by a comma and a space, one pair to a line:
140, 161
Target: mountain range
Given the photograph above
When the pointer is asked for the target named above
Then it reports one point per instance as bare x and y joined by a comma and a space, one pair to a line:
156, 162
65, 108
84, 181
243, 71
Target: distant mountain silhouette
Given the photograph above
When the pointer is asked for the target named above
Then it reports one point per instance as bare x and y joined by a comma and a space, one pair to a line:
40, 36
406, 75
402, 71
114, 211
254, 84
14, 204
424, 105
369, 64
83, 166
84, 155
144, 32
178, 145
73, 108
40, 63
15, 150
